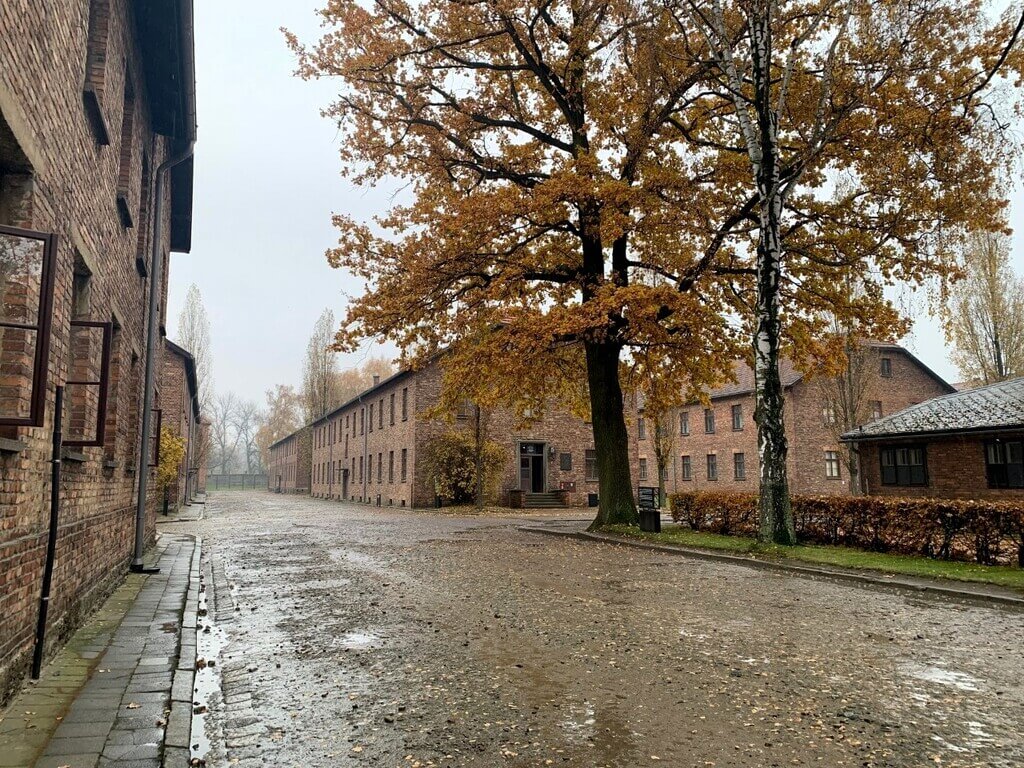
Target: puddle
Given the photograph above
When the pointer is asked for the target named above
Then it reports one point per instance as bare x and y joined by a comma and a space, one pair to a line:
210, 641
357, 639
940, 676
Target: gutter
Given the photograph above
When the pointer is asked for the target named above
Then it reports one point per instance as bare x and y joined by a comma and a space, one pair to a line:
156, 277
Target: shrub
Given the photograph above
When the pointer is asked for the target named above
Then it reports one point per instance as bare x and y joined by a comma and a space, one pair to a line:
451, 466
947, 529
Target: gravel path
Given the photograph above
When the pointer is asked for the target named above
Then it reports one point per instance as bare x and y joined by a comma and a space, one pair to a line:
351, 636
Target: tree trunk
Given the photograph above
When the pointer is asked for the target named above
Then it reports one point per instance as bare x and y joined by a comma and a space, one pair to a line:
478, 460
776, 514
611, 439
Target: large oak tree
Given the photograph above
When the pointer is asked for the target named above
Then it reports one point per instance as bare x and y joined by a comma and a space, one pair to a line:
540, 238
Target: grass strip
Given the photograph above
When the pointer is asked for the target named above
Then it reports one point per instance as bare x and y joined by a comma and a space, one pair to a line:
843, 557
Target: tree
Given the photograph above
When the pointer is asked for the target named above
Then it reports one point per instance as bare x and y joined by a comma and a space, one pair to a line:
461, 471
320, 370
858, 136
545, 201
194, 336
172, 453
352, 381
247, 419
222, 433
986, 319
283, 417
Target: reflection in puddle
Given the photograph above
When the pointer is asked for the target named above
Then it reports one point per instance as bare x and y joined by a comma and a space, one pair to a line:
210, 641
935, 674
357, 639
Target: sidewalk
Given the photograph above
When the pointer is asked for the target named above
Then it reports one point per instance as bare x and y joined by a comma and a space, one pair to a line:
119, 694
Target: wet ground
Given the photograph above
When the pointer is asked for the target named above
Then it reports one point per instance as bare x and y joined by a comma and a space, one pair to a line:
349, 636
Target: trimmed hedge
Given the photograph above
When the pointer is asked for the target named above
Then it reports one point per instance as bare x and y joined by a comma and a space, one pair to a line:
987, 532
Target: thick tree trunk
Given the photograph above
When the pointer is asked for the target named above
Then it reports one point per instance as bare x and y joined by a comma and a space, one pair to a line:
611, 439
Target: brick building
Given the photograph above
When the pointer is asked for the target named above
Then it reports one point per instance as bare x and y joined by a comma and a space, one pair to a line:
179, 412
289, 461
94, 96
715, 448
962, 445
372, 448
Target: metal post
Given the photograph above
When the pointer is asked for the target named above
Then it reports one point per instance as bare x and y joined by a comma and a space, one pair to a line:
156, 282
51, 541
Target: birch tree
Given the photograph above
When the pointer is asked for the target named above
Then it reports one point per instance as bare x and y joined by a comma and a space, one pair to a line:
986, 321
854, 135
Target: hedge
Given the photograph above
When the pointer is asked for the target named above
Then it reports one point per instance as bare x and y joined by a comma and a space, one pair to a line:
987, 532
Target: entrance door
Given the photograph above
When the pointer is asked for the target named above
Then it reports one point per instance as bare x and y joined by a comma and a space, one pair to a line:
531, 467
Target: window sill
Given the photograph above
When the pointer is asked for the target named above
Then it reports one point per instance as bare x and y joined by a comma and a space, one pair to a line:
124, 212
7, 445
76, 457
94, 114
109, 464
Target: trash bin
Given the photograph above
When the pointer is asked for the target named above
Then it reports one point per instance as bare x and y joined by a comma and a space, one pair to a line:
650, 520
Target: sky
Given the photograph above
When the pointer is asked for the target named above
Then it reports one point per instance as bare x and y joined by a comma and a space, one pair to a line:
267, 180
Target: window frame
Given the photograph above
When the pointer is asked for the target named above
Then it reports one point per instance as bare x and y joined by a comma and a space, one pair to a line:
711, 460
43, 327
709, 421
894, 449
885, 368
158, 414
1003, 447
590, 463
104, 384
686, 467
739, 465
832, 459
641, 428
736, 410
684, 423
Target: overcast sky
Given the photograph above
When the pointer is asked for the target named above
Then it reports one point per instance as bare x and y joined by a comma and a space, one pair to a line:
266, 184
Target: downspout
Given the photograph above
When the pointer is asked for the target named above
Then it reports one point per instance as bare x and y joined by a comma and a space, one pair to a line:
156, 280
366, 432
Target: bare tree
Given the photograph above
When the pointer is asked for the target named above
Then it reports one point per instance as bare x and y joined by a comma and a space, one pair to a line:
320, 370
845, 401
194, 336
986, 324
247, 420
223, 437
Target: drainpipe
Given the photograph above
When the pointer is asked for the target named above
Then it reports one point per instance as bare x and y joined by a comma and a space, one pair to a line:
156, 277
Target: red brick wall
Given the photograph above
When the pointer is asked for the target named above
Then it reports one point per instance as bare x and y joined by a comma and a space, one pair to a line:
71, 190
288, 466
176, 400
557, 429
808, 434
956, 470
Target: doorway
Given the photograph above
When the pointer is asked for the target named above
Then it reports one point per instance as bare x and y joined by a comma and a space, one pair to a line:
531, 467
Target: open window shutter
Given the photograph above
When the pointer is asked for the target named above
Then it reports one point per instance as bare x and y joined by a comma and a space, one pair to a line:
88, 382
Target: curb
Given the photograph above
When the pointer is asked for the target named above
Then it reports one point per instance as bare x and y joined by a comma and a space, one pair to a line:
892, 584
178, 735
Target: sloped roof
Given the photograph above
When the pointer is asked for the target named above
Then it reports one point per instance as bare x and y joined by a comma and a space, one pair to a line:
994, 408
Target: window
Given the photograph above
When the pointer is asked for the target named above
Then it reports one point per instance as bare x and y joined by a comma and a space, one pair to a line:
362, 420
26, 302
565, 462
96, 69
739, 466
380, 414
663, 474
590, 464
369, 468
887, 367
1004, 464
712, 466
643, 469
684, 423
371, 417
903, 466
737, 418
391, 415
405, 404
686, 468
709, 421
832, 464
88, 379
360, 469
464, 409
828, 414
391, 459
405, 464
876, 410
641, 428
380, 468
124, 172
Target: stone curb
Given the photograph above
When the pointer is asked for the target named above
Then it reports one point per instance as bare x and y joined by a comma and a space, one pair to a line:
178, 733
895, 584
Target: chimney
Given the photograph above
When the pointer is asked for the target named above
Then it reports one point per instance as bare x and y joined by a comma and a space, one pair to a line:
376, 379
